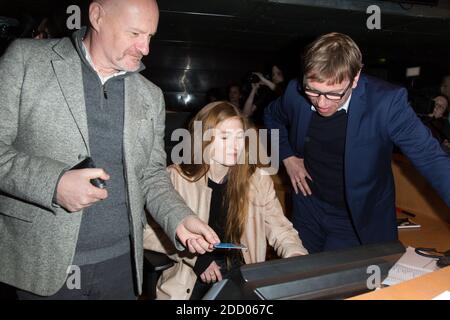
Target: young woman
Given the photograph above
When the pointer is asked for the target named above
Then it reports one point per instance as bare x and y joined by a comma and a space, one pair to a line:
264, 92
237, 200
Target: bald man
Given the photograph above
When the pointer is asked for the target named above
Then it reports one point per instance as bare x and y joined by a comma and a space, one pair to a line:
62, 235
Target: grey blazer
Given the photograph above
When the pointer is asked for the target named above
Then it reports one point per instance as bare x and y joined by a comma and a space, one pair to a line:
43, 130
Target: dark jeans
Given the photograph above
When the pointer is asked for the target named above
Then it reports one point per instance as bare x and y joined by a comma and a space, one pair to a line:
321, 226
108, 280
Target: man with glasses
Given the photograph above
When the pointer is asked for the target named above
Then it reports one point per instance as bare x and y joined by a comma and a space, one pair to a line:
337, 130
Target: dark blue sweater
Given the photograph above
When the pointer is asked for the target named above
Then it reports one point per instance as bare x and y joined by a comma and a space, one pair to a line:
324, 157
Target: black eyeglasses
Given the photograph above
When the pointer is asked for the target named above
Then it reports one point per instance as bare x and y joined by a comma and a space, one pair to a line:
329, 95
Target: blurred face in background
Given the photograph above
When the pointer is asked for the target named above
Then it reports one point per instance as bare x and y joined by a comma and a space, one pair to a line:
277, 75
229, 142
440, 106
234, 95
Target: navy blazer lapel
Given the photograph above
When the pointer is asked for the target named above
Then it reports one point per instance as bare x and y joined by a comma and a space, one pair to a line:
304, 118
69, 75
355, 112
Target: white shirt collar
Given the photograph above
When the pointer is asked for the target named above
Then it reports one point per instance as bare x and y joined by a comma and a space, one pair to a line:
344, 106
89, 59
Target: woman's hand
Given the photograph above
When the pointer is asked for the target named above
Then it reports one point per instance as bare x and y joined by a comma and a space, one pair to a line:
265, 81
211, 274
249, 106
255, 87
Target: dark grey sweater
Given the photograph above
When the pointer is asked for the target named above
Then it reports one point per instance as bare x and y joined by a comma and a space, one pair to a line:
105, 226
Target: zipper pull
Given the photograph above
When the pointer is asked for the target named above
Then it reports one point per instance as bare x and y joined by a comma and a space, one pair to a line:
104, 92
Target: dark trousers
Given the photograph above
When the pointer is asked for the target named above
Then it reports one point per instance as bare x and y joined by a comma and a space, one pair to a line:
321, 226
108, 280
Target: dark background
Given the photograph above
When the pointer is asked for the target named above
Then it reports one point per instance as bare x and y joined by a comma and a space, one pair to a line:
202, 44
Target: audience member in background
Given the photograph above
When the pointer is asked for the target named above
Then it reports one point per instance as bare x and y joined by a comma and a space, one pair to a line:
51, 26
438, 123
440, 109
263, 92
43, 30
237, 200
234, 94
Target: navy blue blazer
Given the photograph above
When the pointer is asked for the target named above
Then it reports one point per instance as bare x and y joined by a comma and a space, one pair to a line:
379, 116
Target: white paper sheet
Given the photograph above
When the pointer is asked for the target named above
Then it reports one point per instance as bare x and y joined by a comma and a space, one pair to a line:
410, 266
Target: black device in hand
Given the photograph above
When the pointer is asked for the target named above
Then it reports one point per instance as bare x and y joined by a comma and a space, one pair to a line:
88, 163
253, 78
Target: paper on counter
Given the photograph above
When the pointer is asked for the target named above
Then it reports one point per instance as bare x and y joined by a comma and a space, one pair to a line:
443, 296
409, 266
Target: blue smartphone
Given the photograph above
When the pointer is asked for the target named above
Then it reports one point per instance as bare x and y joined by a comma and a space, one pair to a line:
226, 245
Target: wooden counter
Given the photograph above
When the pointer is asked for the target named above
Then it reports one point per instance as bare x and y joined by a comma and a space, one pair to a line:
431, 234
414, 194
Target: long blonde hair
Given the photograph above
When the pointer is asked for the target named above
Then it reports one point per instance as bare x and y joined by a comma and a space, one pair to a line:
238, 185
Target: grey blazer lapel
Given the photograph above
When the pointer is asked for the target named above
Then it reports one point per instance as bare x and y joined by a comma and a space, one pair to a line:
135, 112
69, 75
